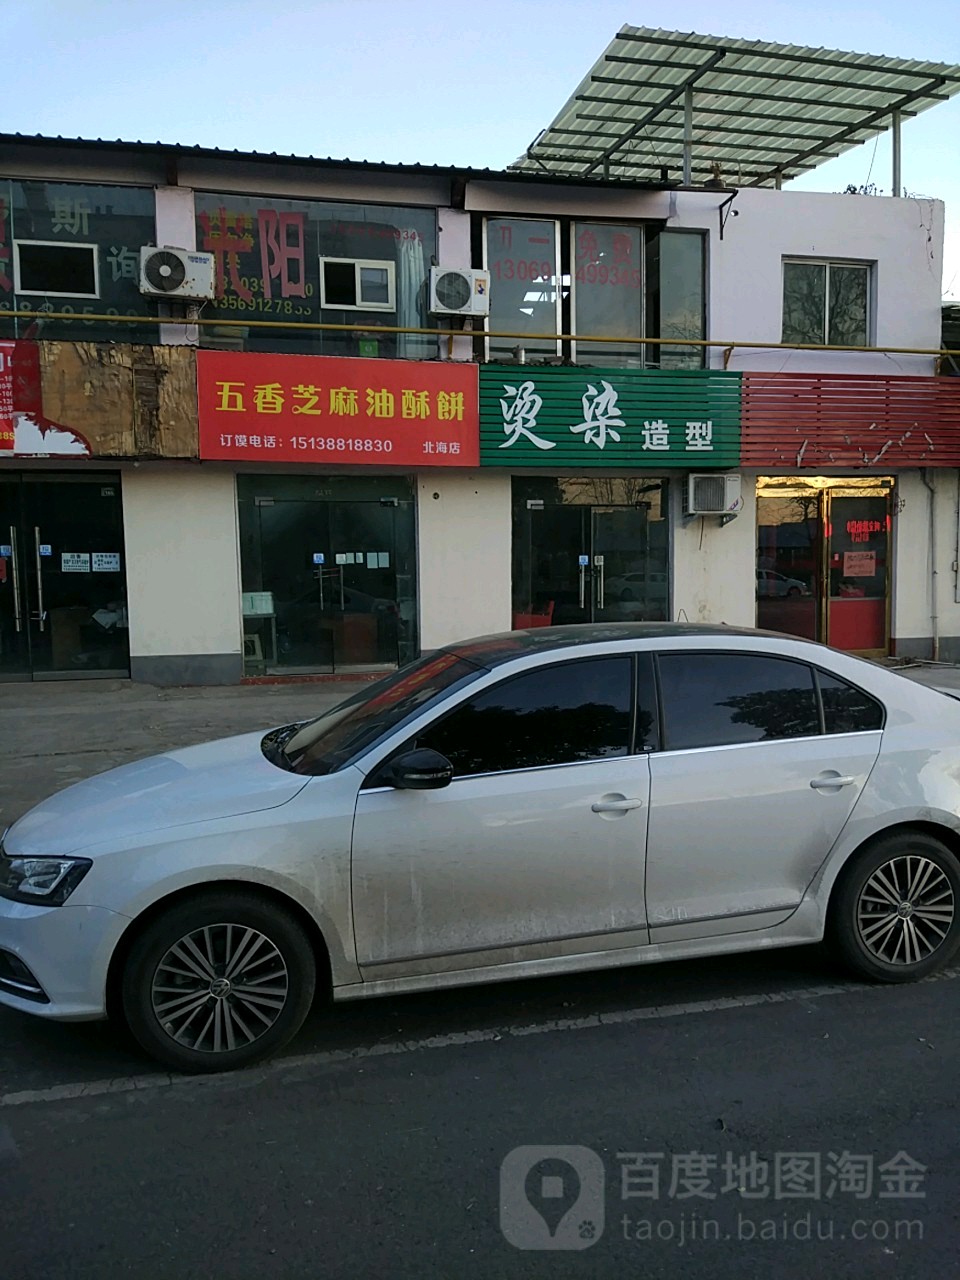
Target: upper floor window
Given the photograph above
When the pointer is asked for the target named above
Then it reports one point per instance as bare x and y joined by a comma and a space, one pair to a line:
609, 282
826, 302
74, 248
304, 261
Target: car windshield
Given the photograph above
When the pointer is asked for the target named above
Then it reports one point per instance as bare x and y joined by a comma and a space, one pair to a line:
330, 741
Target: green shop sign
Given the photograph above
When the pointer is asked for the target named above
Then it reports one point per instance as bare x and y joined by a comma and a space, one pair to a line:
573, 418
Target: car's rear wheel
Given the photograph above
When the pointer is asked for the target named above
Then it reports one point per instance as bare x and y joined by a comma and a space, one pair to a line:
219, 981
895, 915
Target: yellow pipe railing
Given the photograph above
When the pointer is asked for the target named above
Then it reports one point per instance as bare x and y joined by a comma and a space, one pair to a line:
324, 327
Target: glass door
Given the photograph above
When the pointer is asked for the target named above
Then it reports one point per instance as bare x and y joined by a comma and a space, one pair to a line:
63, 600
14, 630
551, 565
823, 560
629, 575
586, 563
858, 541
329, 573
363, 609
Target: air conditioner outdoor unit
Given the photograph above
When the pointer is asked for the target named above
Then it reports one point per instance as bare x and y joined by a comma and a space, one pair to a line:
177, 273
459, 291
709, 494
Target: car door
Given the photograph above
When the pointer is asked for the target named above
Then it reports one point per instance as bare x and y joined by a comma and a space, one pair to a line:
535, 849
749, 793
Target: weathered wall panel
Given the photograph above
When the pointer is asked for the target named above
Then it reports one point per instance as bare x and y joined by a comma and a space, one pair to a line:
127, 401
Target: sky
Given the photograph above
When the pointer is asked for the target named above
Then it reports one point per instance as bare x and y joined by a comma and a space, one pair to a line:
422, 81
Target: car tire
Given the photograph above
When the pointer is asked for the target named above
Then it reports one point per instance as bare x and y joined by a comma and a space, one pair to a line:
793, 591
221, 980
895, 913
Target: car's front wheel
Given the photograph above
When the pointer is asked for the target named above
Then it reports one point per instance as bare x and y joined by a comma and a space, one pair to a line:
895, 915
218, 981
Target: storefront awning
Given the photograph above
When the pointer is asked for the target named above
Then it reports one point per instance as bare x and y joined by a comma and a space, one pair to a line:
664, 105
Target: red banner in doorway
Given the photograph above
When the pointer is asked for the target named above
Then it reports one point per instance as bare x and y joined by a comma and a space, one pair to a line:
341, 410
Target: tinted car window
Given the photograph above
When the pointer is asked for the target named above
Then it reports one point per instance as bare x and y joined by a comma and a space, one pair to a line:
713, 699
847, 709
554, 715
325, 744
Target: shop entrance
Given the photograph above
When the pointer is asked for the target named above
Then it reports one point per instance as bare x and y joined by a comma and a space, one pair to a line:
329, 573
63, 592
823, 560
589, 550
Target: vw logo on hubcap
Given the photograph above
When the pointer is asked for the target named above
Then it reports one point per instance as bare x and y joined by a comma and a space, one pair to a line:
905, 910
219, 988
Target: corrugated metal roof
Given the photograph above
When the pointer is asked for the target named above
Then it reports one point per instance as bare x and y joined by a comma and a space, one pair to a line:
760, 111
174, 151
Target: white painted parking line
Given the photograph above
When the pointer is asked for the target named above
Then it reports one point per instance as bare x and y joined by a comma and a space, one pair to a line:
132, 1084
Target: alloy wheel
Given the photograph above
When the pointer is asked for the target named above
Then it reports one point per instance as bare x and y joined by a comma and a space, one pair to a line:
905, 910
220, 988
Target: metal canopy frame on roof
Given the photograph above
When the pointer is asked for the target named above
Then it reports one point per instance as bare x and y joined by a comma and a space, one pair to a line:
660, 100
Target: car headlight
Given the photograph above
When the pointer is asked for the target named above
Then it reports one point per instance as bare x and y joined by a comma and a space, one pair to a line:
44, 881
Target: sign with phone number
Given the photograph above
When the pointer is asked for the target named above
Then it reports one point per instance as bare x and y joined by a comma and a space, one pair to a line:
280, 408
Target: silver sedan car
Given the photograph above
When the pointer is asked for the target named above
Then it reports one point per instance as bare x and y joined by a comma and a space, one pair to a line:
548, 801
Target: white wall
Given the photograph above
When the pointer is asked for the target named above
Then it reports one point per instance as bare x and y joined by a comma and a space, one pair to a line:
176, 226
913, 577
714, 578
464, 545
183, 579
902, 237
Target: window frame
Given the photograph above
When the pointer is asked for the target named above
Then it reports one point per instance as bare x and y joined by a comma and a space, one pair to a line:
55, 244
371, 782
379, 264
558, 279
822, 731
867, 266
577, 224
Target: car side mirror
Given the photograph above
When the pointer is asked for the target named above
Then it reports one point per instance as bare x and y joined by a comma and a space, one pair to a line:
420, 770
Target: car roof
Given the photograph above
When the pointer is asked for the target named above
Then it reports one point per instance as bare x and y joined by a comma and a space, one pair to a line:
492, 650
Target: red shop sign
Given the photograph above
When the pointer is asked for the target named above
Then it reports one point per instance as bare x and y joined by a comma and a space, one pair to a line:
331, 409
6, 395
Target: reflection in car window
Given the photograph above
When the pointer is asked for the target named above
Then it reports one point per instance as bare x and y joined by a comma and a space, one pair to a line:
553, 715
327, 743
647, 730
714, 699
847, 709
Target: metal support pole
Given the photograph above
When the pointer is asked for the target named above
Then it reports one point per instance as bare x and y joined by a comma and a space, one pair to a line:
897, 187
688, 135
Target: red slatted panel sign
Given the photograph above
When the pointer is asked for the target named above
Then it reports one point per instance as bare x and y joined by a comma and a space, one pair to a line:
818, 420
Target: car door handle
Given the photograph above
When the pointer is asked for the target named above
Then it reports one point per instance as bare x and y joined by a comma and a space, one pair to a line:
831, 781
615, 806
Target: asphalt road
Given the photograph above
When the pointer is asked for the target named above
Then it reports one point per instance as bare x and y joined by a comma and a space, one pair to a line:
751, 1116
375, 1146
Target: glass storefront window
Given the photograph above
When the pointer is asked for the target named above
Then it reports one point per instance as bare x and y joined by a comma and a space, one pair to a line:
608, 292
823, 551
74, 247
63, 579
590, 550
362, 265
328, 568
523, 258
675, 297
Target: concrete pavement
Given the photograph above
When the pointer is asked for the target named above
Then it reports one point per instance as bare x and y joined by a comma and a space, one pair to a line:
55, 733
